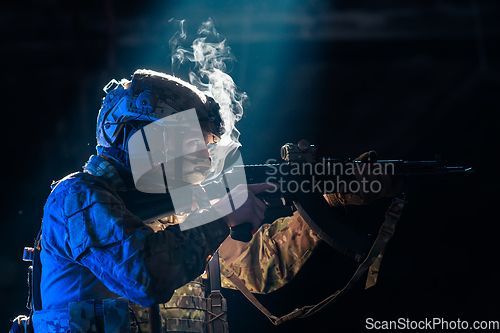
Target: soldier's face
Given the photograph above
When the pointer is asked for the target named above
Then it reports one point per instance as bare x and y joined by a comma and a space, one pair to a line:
182, 140
172, 151
187, 156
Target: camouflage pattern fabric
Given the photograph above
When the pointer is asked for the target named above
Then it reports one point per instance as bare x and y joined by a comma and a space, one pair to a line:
116, 315
51, 321
139, 318
185, 312
82, 317
270, 260
373, 271
273, 256
113, 316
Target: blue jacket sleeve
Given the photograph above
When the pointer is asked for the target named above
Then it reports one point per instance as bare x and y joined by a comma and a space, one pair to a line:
128, 256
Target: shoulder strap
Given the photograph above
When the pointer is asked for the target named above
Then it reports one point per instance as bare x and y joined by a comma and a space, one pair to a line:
216, 307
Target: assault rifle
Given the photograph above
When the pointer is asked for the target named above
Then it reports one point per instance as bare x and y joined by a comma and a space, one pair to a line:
300, 165
302, 179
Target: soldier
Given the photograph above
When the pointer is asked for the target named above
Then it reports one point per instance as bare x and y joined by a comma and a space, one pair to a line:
104, 269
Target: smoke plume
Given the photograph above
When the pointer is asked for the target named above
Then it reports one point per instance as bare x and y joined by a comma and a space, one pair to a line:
210, 56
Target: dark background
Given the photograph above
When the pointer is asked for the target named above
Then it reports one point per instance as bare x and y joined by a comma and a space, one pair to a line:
407, 78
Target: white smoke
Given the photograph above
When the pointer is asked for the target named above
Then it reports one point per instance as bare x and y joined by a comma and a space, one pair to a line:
209, 54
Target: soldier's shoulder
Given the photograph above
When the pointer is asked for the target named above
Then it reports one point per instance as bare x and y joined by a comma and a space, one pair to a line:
77, 191
75, 182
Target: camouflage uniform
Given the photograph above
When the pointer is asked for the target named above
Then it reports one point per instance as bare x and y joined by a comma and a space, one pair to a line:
95, 250
273, 256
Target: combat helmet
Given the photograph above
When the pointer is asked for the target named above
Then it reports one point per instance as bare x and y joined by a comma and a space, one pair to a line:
148, 97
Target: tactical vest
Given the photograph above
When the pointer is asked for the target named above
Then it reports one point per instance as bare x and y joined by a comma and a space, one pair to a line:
187, 311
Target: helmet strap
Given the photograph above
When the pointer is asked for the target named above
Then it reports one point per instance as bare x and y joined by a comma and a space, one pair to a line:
115, 153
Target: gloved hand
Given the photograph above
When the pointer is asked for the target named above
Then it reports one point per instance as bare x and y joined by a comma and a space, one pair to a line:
388, 188
252, 210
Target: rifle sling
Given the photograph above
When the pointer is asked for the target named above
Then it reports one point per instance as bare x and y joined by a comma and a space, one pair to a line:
386, 231
216, 321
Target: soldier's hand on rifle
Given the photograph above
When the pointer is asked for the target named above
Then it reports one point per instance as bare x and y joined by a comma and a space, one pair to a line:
252, 210
372, 186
